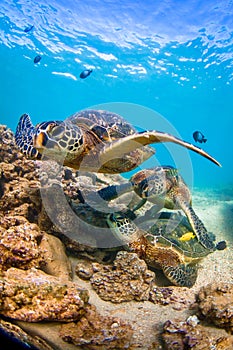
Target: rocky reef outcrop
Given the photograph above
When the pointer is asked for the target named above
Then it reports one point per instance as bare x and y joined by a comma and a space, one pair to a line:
215, 304
190, 334
36, 282
127, 279
97, 332
35, 296
90, 296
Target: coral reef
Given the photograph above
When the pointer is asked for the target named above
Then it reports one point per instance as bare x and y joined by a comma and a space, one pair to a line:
97, 332
215, 304
49, 268
17, 175
26, 292
57, 262
22, 338
177, 297
34, 296
20, 243
128, 279
189, 334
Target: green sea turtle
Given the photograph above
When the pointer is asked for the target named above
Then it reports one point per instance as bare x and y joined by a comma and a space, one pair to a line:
93, 140
169, 245
162, 185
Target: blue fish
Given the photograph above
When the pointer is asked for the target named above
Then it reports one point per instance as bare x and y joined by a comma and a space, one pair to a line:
37, 59
28, 29
85, 73
199, 137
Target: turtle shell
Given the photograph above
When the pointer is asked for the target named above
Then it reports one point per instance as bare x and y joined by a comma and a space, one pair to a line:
108, 126
174, 230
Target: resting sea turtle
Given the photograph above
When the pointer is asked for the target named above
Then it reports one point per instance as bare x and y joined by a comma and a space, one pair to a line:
162, 185
93, 140
169, 245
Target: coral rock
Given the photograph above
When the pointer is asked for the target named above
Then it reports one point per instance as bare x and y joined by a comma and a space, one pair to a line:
20, 243
184, 335
8, 150
23, 339
128, 279
84, 270
34, 296
94, 332
57, 262
177, 297
215, 304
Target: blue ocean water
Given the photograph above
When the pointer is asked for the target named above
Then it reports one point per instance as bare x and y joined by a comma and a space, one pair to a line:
171, 57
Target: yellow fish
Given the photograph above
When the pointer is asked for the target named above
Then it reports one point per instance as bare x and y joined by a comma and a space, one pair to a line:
187, 236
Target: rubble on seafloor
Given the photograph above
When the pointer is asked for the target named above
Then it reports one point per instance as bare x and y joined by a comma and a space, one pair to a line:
191, 334
91, 298
215, 304
96, 331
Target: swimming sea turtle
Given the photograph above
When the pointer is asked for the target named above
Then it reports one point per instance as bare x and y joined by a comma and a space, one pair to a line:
169, 245
162, 185
93, 140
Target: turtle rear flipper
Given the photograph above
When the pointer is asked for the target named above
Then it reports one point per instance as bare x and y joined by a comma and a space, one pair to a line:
131, 142
181, 275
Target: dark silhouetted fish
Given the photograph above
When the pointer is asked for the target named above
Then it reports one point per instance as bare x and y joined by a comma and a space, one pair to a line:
28, 29
85, 73
199, 137
37, 59
221, 245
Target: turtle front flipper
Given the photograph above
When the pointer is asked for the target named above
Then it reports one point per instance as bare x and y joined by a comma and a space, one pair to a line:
181, 275
24, 134
130, 143
197, 225
114, 191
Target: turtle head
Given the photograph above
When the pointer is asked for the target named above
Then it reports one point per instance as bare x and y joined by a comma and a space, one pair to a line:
58, 138
122, 227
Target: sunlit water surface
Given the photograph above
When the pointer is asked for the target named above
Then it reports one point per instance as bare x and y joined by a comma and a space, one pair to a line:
173, 57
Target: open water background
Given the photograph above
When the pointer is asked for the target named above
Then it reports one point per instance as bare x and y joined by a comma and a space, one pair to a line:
172, 57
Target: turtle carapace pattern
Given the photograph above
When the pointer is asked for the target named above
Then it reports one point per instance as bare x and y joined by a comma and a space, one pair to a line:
93, 140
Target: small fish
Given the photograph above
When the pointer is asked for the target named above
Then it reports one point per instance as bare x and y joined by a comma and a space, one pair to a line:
187, 236
221, 245
199, 137
37, 59
85, 73
28, 29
